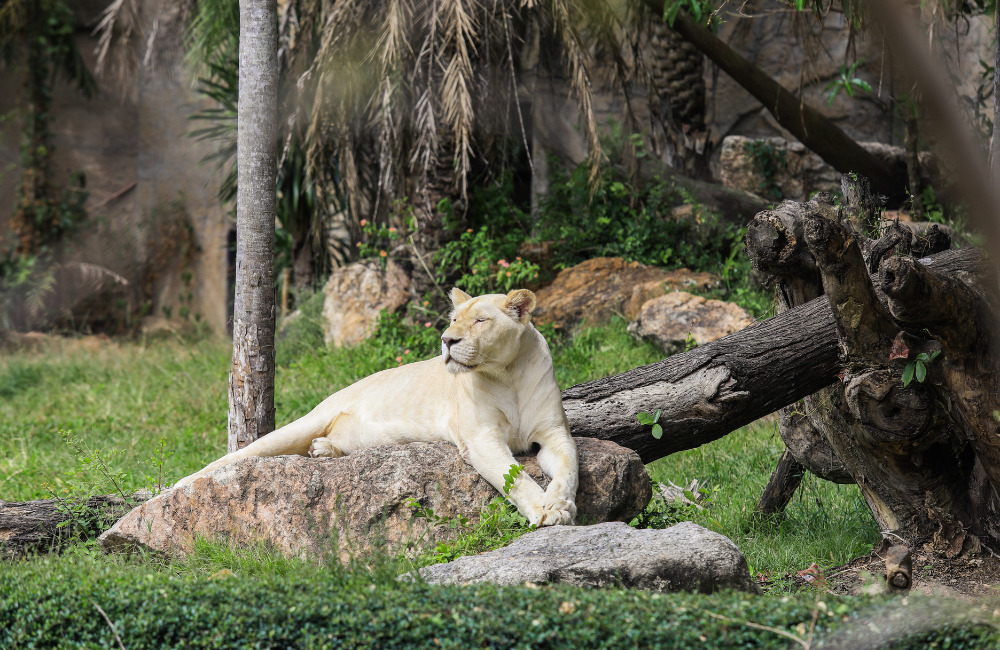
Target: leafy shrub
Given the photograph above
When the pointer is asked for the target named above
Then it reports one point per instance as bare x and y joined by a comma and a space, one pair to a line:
52, 601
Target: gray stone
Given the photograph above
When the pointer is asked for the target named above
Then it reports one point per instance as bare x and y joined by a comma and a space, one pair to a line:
685, 557
319, 507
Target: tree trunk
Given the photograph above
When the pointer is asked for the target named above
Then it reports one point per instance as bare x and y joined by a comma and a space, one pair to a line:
924, 454
251, 380
715, 388
808, 125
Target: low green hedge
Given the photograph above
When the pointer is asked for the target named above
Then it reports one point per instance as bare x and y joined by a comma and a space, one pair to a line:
55, 602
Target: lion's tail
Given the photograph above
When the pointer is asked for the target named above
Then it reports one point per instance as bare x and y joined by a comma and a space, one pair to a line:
292, 439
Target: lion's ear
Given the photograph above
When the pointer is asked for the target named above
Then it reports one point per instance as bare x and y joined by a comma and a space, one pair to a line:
519, 305
458, 297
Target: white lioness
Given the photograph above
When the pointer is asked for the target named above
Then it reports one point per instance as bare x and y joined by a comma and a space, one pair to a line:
493, 395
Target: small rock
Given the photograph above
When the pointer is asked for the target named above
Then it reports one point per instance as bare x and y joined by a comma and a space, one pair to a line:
685, 557
597, 289
307, 506
356, 294
670, 319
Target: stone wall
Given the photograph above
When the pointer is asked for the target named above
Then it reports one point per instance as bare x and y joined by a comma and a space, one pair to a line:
774, 40
154, 216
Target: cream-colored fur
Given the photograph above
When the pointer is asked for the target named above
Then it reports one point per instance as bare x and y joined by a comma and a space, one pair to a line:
493, 393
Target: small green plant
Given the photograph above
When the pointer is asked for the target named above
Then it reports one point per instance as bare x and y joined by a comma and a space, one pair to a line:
917, 368
377, 241
156, 462
499, 524
653, 420
671, 505
848, 81
510, 477
476, 266
768, 161
95, 474
426, 512
697, 8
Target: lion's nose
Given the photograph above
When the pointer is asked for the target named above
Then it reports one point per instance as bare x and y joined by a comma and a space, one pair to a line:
449, 341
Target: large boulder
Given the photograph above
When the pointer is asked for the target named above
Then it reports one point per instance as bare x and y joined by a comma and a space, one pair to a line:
685, 557
356, 294
309, 506
671, 319
595, 290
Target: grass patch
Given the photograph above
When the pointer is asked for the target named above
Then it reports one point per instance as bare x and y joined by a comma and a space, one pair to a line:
128, 395
825, 523
215, 599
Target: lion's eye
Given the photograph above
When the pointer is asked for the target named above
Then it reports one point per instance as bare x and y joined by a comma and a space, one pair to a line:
481, 320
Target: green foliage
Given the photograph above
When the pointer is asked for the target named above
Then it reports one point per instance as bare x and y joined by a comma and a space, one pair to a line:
917, 368
848, 81
377, 240
224, 598
700, 10
481, 255
660, 513
653, 420
301, 333
510, 477
499, 524
25, 282
768, 161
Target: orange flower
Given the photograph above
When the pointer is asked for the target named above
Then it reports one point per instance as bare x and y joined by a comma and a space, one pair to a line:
382, 253
364, 222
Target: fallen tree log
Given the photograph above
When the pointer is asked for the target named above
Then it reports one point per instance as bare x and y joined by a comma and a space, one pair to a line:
39, 526
707, 392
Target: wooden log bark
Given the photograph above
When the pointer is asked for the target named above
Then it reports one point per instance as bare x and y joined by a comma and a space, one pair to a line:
709, 391
781, 487
39, 526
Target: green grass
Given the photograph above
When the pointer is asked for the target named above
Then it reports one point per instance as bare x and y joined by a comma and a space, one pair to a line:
224, 598
825, 523
128, 395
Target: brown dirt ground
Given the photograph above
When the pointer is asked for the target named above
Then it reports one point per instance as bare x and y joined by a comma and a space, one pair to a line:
962, 577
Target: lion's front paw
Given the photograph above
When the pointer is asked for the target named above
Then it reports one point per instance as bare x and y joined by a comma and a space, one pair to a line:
557, 511
323, 448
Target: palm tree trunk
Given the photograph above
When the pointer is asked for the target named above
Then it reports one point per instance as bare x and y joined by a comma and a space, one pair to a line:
251, 379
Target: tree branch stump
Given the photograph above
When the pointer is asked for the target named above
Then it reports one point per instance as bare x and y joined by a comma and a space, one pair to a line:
47, 524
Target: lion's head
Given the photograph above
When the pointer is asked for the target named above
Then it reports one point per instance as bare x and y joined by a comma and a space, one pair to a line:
485, 332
